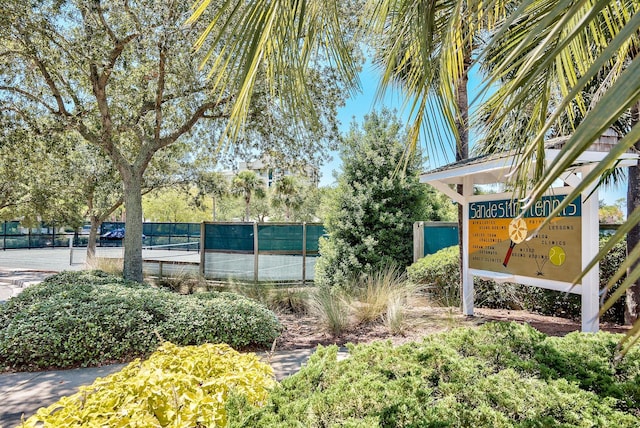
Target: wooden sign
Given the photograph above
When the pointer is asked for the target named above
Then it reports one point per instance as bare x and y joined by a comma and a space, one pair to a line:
501, 241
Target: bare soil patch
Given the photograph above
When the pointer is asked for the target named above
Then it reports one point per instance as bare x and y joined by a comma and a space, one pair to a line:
422, 319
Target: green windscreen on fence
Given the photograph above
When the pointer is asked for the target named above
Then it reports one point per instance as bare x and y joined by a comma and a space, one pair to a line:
228, 237
272, 238
314, 233
171, 229
437, 237
280, 238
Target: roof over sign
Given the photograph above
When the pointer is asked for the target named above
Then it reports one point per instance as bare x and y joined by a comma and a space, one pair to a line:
495, 168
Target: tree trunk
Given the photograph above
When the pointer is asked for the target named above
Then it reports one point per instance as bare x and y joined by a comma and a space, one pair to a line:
632, 309
247, 212
133, 226
93, 236
462, 145
214, 208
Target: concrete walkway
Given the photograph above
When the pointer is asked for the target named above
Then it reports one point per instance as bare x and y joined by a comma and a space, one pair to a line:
13, 281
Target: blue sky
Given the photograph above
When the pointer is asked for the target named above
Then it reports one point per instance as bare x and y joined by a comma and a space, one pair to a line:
363, 103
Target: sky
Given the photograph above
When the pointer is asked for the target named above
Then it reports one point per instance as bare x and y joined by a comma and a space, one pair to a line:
362, 103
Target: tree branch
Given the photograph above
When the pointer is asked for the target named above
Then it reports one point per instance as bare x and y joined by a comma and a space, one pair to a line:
103, 21
113, 57
29, 96
55, 92
111, 209
197, 115
160, 91
133, 16
147, 151
149, 106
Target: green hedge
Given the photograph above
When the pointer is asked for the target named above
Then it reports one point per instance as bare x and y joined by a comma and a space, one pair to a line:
497, 375
440, 272
88, 318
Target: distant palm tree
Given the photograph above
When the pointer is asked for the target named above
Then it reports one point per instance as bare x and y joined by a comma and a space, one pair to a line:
247, 184
287, 193
212, 184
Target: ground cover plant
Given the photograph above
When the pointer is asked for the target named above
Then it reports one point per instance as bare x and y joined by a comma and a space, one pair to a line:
176, 386
87, 318
497, 375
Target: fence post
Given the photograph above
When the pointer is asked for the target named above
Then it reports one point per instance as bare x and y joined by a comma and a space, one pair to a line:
418, 240
202, 248
304, 252
255, 251
70, 250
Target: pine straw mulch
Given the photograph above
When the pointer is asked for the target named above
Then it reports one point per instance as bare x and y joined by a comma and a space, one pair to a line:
421, 319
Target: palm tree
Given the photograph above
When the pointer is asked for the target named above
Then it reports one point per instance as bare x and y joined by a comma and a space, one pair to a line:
427, 48
211, 184
287, 193
544, 43
247, 184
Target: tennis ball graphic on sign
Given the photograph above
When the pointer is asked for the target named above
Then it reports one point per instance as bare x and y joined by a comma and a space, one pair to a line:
557, 256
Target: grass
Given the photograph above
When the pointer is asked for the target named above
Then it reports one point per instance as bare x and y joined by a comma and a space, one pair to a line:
112, 266
333, 309
183, 282
380, 292
278, 298
379, 297
394, 319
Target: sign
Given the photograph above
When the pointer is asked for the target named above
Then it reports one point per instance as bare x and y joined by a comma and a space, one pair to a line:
498, 238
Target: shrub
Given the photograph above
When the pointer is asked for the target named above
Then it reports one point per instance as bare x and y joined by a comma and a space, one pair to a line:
440, 274
369, 222
178, 387
497, 375
87, 318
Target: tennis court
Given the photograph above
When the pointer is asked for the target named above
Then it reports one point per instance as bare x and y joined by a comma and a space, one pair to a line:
270, 267
59, 259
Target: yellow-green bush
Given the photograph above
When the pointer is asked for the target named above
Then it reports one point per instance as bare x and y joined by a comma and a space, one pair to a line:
177, 387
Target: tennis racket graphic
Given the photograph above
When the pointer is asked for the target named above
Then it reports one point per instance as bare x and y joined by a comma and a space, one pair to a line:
517, 234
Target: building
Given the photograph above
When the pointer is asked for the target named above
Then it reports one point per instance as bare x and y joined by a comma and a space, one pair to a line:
270, 172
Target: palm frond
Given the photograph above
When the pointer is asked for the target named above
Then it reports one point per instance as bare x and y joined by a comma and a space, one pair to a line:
277, 40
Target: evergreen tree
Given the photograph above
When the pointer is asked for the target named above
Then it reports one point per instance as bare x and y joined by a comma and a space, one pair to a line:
370, 220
